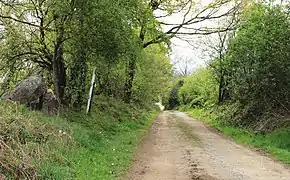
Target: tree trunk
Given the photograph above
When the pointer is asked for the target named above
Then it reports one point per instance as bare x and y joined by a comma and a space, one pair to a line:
129, 81
128, 91
79, 67
78, 75
59, 72
83, 77
221, 89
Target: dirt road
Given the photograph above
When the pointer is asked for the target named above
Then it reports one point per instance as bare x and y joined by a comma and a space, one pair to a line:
181, 148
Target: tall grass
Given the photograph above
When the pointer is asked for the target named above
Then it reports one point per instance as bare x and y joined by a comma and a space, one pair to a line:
71, 146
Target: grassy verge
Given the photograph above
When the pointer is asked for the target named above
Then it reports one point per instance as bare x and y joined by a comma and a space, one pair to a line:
276, 143
72, 146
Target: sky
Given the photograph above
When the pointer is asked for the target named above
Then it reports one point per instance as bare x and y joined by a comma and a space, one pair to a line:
185, 54
182, 51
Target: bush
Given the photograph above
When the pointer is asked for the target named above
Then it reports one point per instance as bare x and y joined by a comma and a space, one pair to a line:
199, 90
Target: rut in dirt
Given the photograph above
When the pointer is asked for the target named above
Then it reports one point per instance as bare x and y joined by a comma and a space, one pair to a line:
181, 148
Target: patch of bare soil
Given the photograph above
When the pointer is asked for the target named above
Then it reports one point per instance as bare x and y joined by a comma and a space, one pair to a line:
181, 148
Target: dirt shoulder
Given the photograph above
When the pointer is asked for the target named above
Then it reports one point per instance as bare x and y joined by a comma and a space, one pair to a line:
181, 148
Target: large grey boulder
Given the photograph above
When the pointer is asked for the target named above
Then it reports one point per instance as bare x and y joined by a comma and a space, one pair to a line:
27, 91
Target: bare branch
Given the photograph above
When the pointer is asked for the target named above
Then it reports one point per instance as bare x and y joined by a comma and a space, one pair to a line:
17, 20
182, 8
211, 14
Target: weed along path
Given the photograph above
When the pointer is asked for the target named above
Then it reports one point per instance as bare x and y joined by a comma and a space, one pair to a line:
181, 148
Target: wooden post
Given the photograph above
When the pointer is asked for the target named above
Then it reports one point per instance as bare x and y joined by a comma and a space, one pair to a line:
91, 93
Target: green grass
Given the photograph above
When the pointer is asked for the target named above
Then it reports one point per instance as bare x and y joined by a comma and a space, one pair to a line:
276, 143
73, 146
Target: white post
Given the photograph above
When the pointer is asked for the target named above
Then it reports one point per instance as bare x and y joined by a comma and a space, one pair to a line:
91, 93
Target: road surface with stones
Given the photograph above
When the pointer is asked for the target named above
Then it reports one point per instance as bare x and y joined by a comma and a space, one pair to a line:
181, 148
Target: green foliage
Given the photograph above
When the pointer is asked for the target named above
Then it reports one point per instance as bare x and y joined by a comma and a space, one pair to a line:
253, 73
106, 39
173, 101
258, 56
257, 59
248, 82
153, 72
70, 38
199, 89
72, 146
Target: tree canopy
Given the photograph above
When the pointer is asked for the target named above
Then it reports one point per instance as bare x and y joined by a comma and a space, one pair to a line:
251, 68
127, 41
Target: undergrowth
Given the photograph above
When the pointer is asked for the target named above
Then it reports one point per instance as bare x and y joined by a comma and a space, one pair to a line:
71, 146
276, 143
